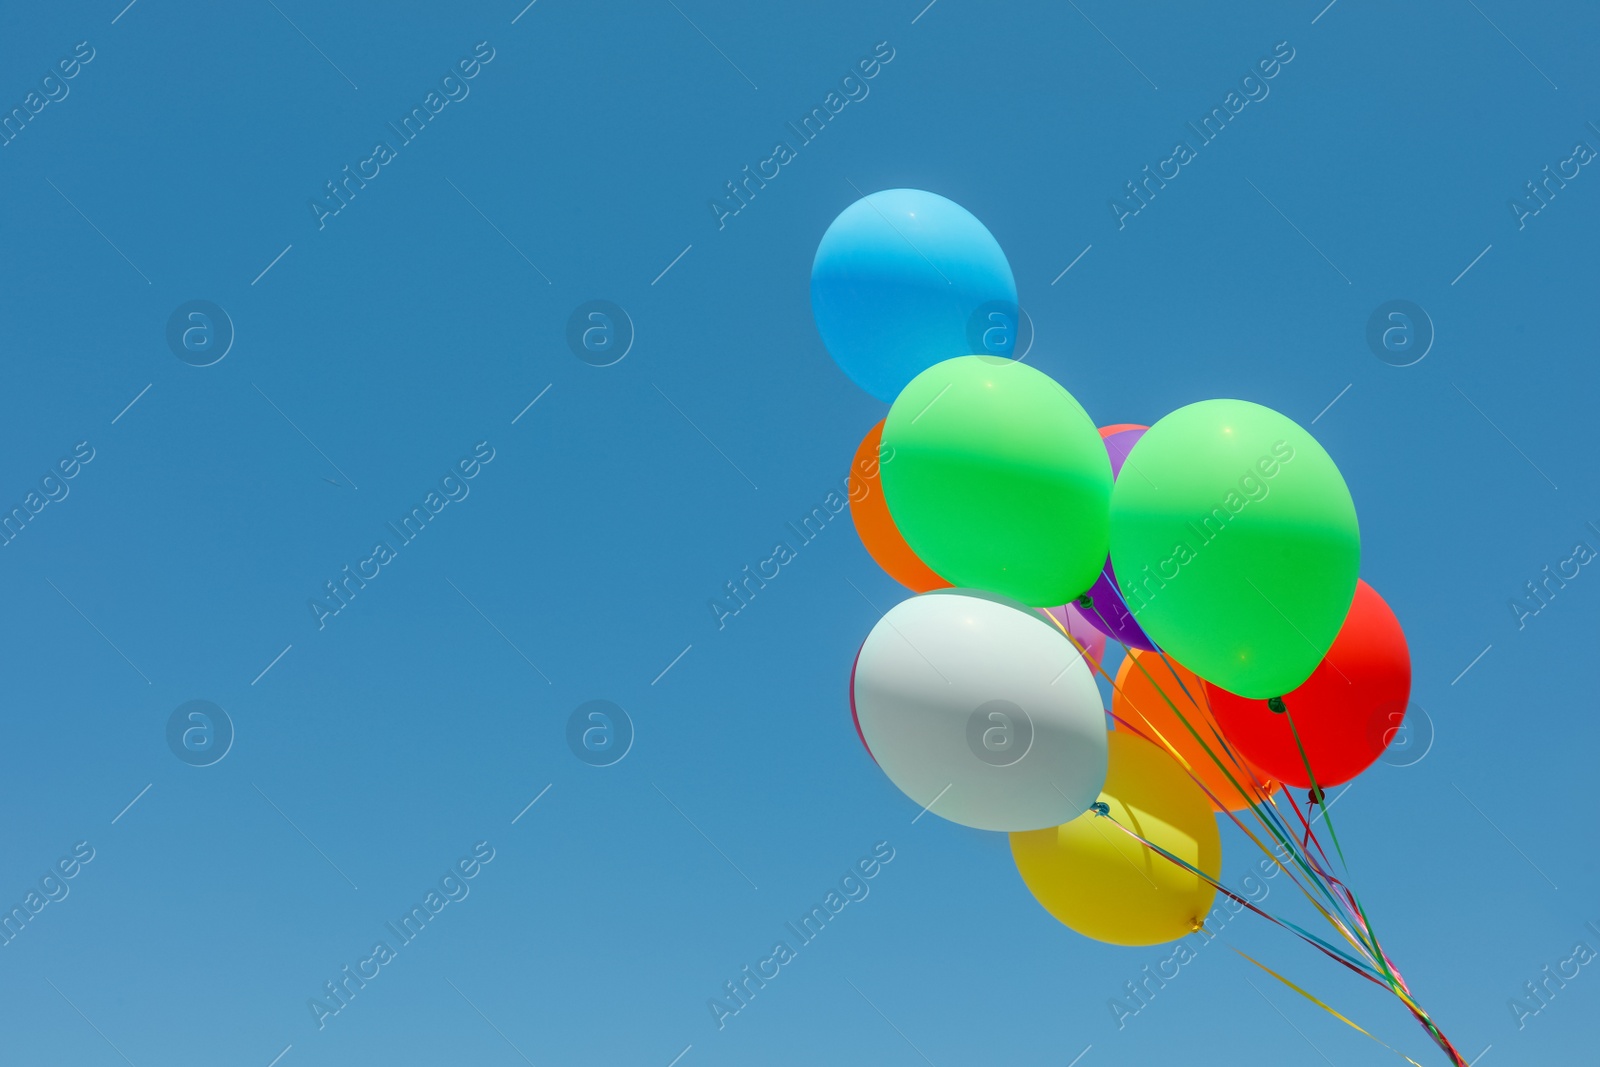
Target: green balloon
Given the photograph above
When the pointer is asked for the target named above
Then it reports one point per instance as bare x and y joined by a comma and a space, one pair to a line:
1235, 544
997, 478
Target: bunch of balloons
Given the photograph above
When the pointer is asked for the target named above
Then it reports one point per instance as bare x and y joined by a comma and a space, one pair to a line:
1219, 547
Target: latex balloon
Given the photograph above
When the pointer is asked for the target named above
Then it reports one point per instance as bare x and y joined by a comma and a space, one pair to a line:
854, 718
1080, 630
875, 526
1104, 884
1237, 549
1107, 611
999, 480
1145, 684
1107, 431
903, 279
1106, 608
1346, 713
1119, 444
981, 711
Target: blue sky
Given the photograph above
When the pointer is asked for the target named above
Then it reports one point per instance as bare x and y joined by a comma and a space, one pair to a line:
378, 349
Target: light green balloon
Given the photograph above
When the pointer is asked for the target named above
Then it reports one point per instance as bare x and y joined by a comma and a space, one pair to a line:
1235, 544
997, 478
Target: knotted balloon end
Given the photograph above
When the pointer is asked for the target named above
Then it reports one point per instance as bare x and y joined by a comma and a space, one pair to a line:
1100, 807
1275, 704
1086, 601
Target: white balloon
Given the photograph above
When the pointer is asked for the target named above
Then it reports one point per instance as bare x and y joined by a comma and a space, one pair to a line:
981, 711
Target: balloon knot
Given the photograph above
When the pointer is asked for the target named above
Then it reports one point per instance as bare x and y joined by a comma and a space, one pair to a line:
1100, 807
1275, 704
1314, 796
1196, 925
1086, 601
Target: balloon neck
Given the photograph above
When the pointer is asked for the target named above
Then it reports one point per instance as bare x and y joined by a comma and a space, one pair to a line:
1196, 925
1275, 705
1315, 796
1100, 807
1086, 601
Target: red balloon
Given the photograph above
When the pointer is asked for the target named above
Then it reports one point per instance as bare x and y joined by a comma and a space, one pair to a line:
1346, 713
1121, 427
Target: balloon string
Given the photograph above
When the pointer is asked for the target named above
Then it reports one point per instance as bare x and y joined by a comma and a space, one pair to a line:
1353, 904
1318, 875
1365, 971
1273, 824
1381, 969
1317, 872
1160, 740
1204, 789
1310, 838
1319, 1003
1311, 803
1198, 782
1316, 790
1330, 884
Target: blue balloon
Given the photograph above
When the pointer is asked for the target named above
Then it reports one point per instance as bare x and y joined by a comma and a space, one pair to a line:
904, 279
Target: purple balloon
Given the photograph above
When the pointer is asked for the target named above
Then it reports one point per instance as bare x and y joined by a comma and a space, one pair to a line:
1118, 445
1107, 611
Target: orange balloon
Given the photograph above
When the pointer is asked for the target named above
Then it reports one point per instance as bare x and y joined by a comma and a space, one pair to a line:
877, 530
1138, 700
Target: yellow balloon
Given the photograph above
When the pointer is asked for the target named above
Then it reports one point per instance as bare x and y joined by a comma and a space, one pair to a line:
1104, 884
